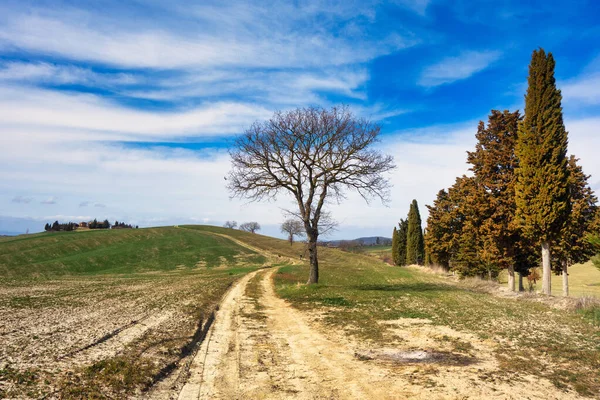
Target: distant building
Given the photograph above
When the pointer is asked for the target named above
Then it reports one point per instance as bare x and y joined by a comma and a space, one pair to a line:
83, 224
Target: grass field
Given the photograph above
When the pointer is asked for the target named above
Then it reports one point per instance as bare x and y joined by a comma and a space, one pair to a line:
102, 314
363, 297
584, 280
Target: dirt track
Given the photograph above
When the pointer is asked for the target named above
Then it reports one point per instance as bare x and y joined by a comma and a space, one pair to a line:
260, 347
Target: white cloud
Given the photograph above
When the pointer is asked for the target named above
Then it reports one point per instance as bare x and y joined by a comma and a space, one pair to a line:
85, 112
585, 88
456, 68
232, 36
17, 71
49, 201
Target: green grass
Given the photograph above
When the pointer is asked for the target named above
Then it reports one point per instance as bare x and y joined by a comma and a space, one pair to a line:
117, 252
356, 292
584, 280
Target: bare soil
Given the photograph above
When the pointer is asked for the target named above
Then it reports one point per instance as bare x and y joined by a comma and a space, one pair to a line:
260, 347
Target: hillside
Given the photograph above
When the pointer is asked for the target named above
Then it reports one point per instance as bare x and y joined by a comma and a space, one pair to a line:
49, 255
80, 311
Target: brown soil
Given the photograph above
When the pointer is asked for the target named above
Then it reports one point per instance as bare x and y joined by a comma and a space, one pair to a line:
260, 347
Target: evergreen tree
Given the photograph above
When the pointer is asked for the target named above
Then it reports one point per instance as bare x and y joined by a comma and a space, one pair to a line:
573, 245
542, 193
402, 241
493, 163
395, 247
467, 215
440, 230
415, 247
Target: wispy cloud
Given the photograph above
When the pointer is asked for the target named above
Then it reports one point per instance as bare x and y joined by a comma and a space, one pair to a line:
99, 205
58, 74
463, 66
584, 88
87, 112
233, 35
84, 204
22, 200
49, 201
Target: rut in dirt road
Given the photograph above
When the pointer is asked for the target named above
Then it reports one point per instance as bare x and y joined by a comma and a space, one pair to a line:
259, 347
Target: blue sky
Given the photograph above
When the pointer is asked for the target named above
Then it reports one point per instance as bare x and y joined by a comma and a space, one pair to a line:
125, 109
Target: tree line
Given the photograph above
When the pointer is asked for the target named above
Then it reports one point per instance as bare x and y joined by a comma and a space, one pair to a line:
525, 201
95, 224
408, 246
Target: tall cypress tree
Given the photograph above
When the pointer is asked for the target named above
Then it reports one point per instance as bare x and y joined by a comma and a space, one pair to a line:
395, 247
542, 187
415, 246
402, 240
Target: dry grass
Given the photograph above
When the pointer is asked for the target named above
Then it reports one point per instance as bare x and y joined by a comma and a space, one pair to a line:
100, 333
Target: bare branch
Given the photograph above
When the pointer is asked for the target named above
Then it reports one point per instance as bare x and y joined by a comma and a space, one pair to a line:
314, 155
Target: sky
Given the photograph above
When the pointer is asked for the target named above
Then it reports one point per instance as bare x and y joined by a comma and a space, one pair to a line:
126, 109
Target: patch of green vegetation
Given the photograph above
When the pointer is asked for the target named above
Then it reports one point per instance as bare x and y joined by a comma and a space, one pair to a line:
109, 378
123, 251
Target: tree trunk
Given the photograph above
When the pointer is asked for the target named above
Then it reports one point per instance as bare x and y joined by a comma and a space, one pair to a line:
565, 280
313, 276
546, 269
521, 287
511, 278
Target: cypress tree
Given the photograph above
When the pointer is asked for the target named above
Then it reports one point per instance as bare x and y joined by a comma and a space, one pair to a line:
542, 193
402, 241
440, 230
415, 246
395, 247
493, 163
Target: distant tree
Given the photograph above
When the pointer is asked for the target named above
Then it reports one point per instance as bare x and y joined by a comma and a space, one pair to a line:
573, 245
56, 226
250, 227
106, 224
230, 224
402, 241
47, 227
542, 186
313, 154
415, 246
292, 227
395, 244
377, 241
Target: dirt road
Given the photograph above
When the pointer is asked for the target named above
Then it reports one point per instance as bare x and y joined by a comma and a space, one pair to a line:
261, 348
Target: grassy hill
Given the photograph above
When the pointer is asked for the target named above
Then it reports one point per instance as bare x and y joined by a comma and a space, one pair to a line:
122, 251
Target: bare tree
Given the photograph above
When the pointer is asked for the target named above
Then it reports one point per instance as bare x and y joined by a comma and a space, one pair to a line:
292, 227
250, 227
230, 224
313, 154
